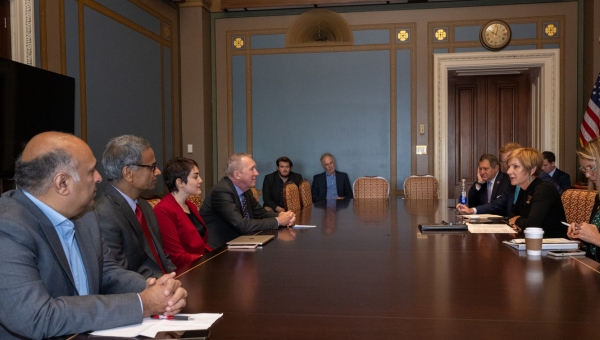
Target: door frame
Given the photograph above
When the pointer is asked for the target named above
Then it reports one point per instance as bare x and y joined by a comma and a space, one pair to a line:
544, 66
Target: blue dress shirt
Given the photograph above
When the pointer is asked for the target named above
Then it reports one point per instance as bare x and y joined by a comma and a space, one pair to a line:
66, 233
331, 186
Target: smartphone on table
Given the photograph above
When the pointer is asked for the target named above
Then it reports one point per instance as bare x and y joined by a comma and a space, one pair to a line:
564, 253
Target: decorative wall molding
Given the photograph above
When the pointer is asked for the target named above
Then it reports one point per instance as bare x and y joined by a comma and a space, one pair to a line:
22, 28
545, 99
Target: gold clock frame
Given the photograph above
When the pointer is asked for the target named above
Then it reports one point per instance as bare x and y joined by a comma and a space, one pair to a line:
492, 47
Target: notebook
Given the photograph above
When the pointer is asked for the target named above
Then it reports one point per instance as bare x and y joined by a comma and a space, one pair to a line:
442, 226
257, 240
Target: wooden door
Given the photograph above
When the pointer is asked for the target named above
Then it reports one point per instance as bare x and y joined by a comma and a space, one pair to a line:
484, 113
5, 50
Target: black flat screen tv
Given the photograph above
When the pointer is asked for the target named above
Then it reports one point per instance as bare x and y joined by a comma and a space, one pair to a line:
32, 100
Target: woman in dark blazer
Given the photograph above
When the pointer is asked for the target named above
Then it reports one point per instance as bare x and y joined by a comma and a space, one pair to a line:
538, 204
184, 234
589, 233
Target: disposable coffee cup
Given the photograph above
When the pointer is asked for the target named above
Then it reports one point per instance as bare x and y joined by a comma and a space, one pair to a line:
533, 240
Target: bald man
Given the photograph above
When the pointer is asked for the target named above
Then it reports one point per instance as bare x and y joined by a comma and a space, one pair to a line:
58, 277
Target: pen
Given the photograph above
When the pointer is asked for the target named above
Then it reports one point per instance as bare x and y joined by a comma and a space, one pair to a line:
171, 317
568, 225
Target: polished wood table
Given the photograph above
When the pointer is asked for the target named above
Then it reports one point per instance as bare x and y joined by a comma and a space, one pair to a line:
367, 272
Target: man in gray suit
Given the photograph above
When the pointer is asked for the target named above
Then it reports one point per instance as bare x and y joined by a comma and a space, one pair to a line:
230, 209
127, 221
54, 263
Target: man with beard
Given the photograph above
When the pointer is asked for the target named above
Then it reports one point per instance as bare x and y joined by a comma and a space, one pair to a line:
272, 190
127, 221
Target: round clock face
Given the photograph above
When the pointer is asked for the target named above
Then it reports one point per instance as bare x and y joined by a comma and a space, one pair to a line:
495, 35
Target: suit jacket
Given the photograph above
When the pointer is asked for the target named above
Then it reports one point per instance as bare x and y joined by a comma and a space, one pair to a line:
540, 206
562, 179
319, 186
36, 286
222, 212
501, 205
271, 192
124, 236
479, 197
181, 239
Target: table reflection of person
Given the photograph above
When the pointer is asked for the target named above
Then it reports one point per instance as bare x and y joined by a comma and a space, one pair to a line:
538, 203
588, 232
184, 233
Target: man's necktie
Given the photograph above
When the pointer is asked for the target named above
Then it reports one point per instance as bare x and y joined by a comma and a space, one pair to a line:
489, 191
244, 206
146, 230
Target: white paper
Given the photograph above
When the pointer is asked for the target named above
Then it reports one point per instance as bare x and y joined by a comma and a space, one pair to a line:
547, 243
490, 229
302, 226
149, 327
481, 216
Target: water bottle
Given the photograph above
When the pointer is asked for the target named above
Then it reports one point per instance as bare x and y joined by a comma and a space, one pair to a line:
463, 193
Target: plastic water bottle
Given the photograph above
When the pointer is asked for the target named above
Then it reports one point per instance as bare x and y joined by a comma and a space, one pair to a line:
463, 193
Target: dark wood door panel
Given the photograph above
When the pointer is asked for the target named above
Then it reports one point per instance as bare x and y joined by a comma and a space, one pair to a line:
484, 112
5, 50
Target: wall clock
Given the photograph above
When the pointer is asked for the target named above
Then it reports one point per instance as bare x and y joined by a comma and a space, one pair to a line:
495, 35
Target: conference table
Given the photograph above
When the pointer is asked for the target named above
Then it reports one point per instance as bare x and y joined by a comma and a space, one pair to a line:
366, 271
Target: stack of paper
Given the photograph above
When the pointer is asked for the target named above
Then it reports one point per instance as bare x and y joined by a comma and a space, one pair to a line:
149, 327
547, 243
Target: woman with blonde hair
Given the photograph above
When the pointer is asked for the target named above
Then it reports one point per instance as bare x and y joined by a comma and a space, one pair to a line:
588, 232
538, 204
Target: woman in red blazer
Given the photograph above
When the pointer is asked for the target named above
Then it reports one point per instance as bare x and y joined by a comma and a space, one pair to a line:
184, 234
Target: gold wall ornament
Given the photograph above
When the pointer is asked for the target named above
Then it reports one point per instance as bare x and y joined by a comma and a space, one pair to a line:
166, 31
550, 30
403, 35
440, 34
238, 43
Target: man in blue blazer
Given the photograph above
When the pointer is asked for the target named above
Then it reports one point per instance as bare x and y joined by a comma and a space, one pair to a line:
559, 178
488, 177
480, 200
330, 184
58, 276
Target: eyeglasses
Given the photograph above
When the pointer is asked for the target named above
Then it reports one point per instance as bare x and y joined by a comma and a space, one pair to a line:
587, 169
152, 167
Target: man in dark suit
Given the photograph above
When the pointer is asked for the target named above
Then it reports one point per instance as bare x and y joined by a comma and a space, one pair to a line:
490, 182
54, 262
272, 190
559, 178
330, 184
489, 195
127, 221
230, 209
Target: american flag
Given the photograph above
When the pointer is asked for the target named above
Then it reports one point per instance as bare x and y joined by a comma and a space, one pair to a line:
590, 124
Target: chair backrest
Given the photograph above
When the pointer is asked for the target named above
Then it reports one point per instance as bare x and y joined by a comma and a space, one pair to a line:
578, 204
371, 187
305, 194
421, 187
254, 193
196, 199
153, 201
291, 197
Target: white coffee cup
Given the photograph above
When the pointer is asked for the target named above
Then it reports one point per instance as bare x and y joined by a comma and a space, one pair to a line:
533, 240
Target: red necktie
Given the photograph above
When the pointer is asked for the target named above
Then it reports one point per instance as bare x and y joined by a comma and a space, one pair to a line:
142, 220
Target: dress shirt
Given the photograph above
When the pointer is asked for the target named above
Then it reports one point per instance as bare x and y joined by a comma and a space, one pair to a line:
331, 186
551, 173
240, 194
66, 233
